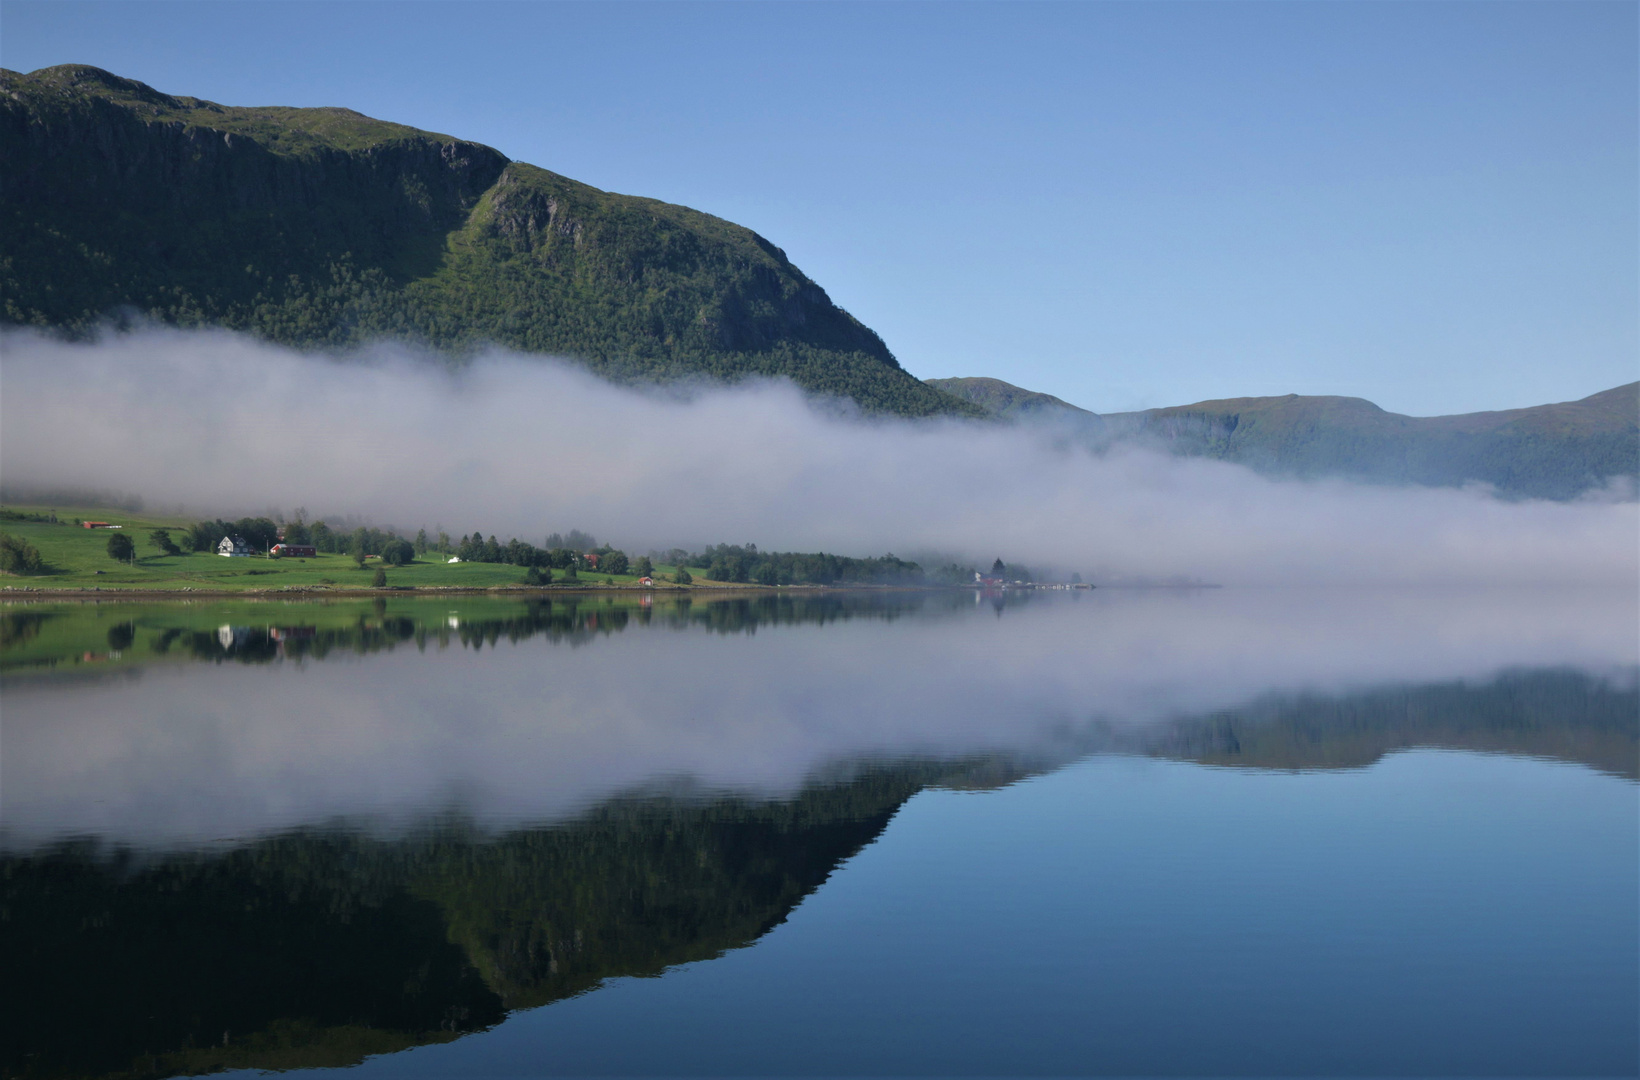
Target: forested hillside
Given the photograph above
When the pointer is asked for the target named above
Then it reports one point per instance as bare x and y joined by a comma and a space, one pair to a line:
326, 228
1548, 451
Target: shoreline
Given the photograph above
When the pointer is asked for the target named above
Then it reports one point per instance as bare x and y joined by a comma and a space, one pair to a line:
12, 593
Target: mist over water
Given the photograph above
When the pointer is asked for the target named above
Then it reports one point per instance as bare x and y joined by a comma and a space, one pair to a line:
530, 731
513, 445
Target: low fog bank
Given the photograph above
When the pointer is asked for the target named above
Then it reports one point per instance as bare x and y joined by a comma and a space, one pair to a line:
514, 445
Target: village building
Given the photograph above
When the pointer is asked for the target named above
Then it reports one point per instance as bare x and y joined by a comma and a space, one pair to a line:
233, 546
295, 551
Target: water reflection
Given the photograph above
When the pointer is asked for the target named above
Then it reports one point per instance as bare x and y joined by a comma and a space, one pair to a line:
514, 713
326, 944
261, 632
300, 834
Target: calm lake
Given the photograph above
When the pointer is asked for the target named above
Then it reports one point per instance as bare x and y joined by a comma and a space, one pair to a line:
1110, 832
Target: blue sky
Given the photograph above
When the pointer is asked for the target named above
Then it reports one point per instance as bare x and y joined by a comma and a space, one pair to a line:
1433, 206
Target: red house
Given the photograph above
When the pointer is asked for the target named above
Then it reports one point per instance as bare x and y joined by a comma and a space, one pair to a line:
295, 551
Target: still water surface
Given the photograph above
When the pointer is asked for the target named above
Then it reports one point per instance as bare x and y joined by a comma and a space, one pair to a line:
1219, 832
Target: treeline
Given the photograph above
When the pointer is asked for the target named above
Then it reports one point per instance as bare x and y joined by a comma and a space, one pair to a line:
737, 563
578, 552
261, 533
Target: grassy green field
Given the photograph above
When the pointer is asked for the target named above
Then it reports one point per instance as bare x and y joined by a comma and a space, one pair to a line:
77, 558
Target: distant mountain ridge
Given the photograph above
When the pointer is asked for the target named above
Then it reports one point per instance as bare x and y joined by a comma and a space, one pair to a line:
1553, 451
326, 228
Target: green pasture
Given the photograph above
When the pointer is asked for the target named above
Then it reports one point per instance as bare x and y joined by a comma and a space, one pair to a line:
77, 558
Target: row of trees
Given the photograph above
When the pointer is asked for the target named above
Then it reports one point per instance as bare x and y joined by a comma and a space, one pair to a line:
569, 555
744, 563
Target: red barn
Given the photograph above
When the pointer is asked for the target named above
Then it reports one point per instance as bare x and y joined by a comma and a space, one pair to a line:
296, 551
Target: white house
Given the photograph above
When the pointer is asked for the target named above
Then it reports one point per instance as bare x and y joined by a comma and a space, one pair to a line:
233, 545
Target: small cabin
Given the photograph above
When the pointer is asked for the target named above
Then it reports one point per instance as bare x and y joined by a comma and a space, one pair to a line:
646, 581
233, 546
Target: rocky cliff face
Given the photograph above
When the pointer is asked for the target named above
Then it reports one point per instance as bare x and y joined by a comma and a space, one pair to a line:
323, 227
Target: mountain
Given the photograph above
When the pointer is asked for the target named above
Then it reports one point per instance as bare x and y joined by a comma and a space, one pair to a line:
1547, 451
325, 228
1007, 401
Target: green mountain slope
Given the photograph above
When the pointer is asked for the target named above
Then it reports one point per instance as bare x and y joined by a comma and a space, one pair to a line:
1547, 451
1007, 401
322, 227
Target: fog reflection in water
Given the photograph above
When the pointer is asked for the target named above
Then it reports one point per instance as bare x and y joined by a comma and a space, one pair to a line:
297, 835
531, 713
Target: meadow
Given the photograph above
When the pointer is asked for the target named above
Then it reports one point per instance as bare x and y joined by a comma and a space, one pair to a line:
77, 558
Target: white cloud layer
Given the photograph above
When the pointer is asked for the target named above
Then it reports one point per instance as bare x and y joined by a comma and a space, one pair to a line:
515, 445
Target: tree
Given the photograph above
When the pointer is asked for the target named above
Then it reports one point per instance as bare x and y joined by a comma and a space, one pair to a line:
398, 552
570, 574
997, 569
161, 538
768, 573
207, 534
643, 567
614, 563
18, 556
536, 575
421, 541
359, 557
380, 580
120, 548
683, 576
1076, 579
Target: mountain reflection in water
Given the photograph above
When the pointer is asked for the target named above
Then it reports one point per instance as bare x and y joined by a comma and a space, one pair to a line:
355, 828
321, 946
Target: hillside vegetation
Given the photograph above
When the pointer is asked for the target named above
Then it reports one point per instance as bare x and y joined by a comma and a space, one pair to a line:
1007, 401
1548, 451
326, 228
